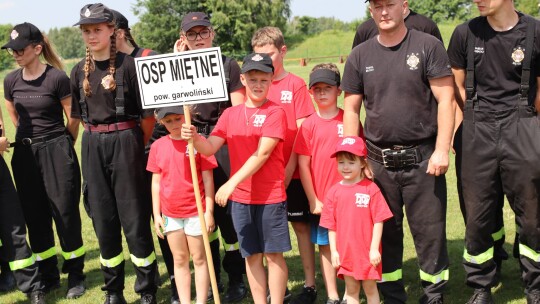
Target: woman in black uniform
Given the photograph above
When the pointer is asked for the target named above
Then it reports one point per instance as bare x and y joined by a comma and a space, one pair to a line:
45, 166
106, 97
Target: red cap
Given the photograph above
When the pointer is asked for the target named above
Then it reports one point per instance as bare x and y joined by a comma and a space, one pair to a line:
351, 144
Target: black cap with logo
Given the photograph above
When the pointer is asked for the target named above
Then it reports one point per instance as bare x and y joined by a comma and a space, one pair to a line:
258, 61
194, 19
22, 35
95, 13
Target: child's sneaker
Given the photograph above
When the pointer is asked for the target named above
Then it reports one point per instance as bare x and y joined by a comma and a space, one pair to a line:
332, 301
308, 295
344, 301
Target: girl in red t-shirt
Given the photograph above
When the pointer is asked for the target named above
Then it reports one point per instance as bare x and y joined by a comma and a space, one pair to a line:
174, 205
354, 212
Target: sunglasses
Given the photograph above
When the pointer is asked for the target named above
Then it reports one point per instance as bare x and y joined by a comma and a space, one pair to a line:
16, 52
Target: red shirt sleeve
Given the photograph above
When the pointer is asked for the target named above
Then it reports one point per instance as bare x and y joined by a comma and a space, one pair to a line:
152, 165
303, 106
207, 162
328, 215
275, 125
302, 145
380, 211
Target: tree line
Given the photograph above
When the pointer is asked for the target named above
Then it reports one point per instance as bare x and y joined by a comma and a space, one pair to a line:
235, 20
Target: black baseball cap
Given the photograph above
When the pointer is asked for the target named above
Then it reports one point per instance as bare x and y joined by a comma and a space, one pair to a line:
22, 35
95, 13
194, 19
258, 61
325, 76
120, 20
163, 112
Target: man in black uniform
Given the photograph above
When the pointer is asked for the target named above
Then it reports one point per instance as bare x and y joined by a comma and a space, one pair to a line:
496, 67
404, 78
413, 20
197, 33
13, 244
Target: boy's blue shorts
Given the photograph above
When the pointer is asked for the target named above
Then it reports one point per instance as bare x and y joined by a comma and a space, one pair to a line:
319, 235
261, 228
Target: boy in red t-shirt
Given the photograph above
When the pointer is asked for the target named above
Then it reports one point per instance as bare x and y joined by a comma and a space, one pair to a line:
254, 132
316, 141
174, 205
291, 93
354, 212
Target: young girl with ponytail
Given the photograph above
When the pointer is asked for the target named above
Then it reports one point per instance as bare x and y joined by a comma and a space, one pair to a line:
106, 98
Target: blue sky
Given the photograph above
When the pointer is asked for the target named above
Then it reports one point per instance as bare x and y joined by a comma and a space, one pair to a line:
54, 13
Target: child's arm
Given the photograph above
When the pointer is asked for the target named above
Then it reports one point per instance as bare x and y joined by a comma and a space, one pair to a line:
333, 248
374, 254
156, 205
208, 182
304, 166
205, 146
252, 165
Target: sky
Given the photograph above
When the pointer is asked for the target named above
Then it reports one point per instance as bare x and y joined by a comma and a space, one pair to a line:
60, 13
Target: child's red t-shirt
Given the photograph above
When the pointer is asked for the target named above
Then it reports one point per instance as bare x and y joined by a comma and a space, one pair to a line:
170, 158
351, 211
292, 94
318, 138
242, 128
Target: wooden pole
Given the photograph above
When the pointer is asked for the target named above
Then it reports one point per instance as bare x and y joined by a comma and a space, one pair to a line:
195, 179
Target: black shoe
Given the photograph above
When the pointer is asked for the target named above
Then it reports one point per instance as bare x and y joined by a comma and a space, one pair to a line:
344, 301
533, 297
220, 288
76, 290
481, 296
286, 298
7, 281
37, 297
333, 301
114, 298
236, 292
307, 296
148, 298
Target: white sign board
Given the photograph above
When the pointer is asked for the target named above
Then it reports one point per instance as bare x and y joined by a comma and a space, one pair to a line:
183, 78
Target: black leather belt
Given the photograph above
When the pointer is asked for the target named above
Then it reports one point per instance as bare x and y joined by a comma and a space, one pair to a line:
399, 156
35, 140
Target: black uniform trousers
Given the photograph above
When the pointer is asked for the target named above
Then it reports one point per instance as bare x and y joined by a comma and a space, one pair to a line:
14, 247
116, 198
424, 199
233, 263
498, 234
48, 180
501, 154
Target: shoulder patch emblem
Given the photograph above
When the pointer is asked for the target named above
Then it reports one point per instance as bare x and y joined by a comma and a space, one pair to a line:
413, 61
518, 55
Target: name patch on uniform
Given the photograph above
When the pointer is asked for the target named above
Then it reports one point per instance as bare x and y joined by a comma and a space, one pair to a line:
177, 79
362, 200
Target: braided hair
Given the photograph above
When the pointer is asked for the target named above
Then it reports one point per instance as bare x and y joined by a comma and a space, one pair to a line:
89, 66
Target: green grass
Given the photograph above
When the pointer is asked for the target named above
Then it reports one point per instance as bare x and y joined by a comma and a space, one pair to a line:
510, 292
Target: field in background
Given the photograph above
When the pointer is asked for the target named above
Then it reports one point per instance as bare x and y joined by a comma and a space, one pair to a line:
328, 44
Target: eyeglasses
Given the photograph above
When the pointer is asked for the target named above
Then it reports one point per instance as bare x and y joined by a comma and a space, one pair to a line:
16, 52
192, 35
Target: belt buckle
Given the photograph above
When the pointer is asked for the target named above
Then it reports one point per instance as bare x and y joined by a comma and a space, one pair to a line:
26, 141
395, 163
